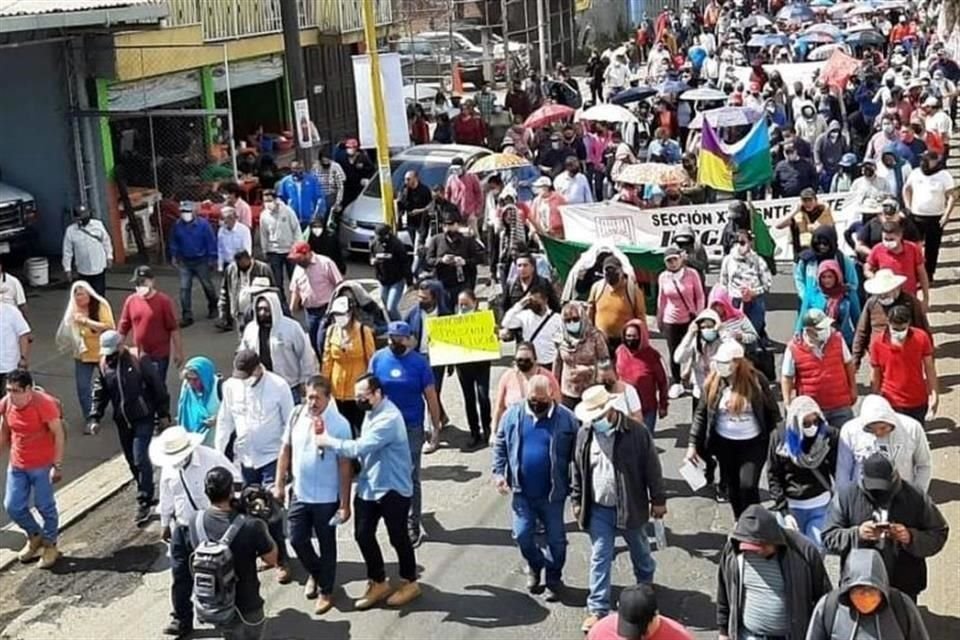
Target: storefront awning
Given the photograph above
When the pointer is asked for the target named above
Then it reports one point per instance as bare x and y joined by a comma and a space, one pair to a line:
30, 15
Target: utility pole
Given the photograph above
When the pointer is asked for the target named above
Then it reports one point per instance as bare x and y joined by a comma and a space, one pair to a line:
379, 113
293, 57
542, 40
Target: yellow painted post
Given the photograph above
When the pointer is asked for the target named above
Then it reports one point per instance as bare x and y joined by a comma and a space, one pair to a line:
379, 114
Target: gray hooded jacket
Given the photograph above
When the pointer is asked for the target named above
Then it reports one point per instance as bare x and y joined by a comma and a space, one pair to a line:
865, 568
293, 357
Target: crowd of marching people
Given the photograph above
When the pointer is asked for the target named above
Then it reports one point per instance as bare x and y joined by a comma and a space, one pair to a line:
331, 402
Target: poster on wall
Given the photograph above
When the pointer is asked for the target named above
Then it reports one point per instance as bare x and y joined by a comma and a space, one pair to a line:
301, 116
395, 108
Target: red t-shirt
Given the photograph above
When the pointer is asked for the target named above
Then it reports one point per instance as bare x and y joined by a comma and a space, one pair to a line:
907, 263
31, 441
152, 320
669, 629
904, 384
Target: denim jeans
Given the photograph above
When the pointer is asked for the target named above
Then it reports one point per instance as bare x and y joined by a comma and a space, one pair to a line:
603, 532
475, 384
181, 586
163, 365
306, 519
314, 320
390, 295
278, 265
838, 417
415, 438
810, 522
16, 501
199, 268
756, 312
650, 420
97, 282
526, 513
135, 442
266, 476
83, 376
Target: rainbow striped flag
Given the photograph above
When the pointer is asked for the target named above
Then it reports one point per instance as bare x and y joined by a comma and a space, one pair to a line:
737, 167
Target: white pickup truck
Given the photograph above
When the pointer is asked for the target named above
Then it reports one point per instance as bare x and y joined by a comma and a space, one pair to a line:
18, 210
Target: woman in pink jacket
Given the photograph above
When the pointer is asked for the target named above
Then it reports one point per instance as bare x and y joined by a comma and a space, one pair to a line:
679, 300
464, 190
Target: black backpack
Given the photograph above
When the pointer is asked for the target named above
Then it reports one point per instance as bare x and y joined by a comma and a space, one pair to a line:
895, 599
214, 578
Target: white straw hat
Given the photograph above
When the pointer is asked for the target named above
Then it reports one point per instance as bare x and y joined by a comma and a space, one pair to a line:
173, 445
883, 281
595, 402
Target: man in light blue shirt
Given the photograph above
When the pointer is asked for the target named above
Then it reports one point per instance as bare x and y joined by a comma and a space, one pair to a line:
321, 488
384, 488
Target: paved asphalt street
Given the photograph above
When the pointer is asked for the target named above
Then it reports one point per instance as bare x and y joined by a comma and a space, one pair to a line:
112, 581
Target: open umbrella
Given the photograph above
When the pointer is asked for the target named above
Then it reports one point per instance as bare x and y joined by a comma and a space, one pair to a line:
633, 94
817, 37
704, 94
547, 115
860, 26
865, 38
769, 40
893, 5
861, 10
653, 173
727, 117
824, 27
498, 162
822, 3
606, 113
797, 13
756, 21
672, 85
838, 10
824, 51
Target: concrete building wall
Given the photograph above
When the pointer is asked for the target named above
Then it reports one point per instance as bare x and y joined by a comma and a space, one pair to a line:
602, 22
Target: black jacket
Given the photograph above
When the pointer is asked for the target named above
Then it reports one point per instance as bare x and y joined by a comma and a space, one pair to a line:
906, 564
762, 402
786, 479
804, 575
638, 474
395, 268
133, 386
464, 246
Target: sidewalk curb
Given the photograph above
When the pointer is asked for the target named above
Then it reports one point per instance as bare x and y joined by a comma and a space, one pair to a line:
80, 497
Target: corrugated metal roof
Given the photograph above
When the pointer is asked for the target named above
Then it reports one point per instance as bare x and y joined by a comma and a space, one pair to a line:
9, 8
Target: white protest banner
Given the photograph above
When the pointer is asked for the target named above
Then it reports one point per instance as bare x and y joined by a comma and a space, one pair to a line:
391, 82
791, 73
625, 224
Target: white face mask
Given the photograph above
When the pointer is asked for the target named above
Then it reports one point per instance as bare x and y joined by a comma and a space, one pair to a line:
142, 290
272, 205
186, 217
341, 320
887, 300
810, 431
723, 369
891, 244
823, 335
316, 231
898, 336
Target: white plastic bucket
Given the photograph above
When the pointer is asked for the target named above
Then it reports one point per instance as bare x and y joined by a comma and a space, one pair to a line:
38, 272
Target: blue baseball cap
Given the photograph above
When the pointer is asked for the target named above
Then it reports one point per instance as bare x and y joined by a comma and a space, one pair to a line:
399, 328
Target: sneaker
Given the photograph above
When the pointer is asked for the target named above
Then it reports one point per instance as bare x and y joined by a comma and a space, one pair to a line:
177, 629
376, 591
324, 604
283, 574
588, 623
676, 390
429, 447
143, 514
185, 322
721, 494
49, 555
553, 592
310, 590
31, 550
408, 591
416, 536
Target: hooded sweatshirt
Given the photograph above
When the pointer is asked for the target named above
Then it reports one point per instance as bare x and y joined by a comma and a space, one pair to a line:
800, 469
895, 176
577, 357
291, 357
735, 325
806, 271
833, 303
865, 568
826, 151
906, 445
643, 369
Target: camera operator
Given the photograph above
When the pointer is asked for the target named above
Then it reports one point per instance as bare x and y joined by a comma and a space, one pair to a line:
184, 464
250, 540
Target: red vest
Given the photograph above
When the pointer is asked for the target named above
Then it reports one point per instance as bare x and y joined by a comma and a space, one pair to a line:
824, 380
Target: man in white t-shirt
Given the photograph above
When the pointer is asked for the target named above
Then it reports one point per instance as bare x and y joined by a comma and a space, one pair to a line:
928, 195
629, 402
14, 341
11, 291
936, 120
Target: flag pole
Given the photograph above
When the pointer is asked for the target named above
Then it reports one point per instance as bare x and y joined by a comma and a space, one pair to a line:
379, 113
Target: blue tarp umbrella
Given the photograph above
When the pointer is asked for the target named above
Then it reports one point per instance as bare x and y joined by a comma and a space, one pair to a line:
727, 117
796, 13
633, 94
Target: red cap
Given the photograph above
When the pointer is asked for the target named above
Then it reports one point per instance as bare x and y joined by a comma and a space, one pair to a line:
299, 250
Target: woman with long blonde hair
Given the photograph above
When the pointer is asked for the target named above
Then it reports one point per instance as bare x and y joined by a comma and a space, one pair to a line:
88, 314
734, 419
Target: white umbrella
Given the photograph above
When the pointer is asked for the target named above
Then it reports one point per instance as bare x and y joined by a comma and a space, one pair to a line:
862, 10
703, 93
606, 113
824, 51
863, 26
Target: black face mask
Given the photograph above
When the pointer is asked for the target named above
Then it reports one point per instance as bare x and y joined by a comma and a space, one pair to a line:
83, 220
427, 305
398, 348
364, 404
869, 172
524, 365
265, 320
536, 308
632, 343
612, 277
539, 407
609, 386
880, 497
112, 359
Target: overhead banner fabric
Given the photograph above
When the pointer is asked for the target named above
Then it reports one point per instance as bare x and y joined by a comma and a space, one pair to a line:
468, 337
394, 106
624, 224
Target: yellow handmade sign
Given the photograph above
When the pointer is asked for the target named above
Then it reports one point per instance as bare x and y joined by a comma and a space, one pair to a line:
470, 337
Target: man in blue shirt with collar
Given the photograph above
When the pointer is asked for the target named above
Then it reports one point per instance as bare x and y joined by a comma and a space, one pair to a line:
302, 192
531, 458
408, 381
321, 488
384, 488
193, 250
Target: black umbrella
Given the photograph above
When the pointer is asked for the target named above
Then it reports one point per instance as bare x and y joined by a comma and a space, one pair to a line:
865, 38
564, 94
633, 94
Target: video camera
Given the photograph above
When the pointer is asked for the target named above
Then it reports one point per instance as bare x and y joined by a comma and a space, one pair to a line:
258, 502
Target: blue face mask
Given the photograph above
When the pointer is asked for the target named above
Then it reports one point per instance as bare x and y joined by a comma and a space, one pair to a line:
602, 425
709, 334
